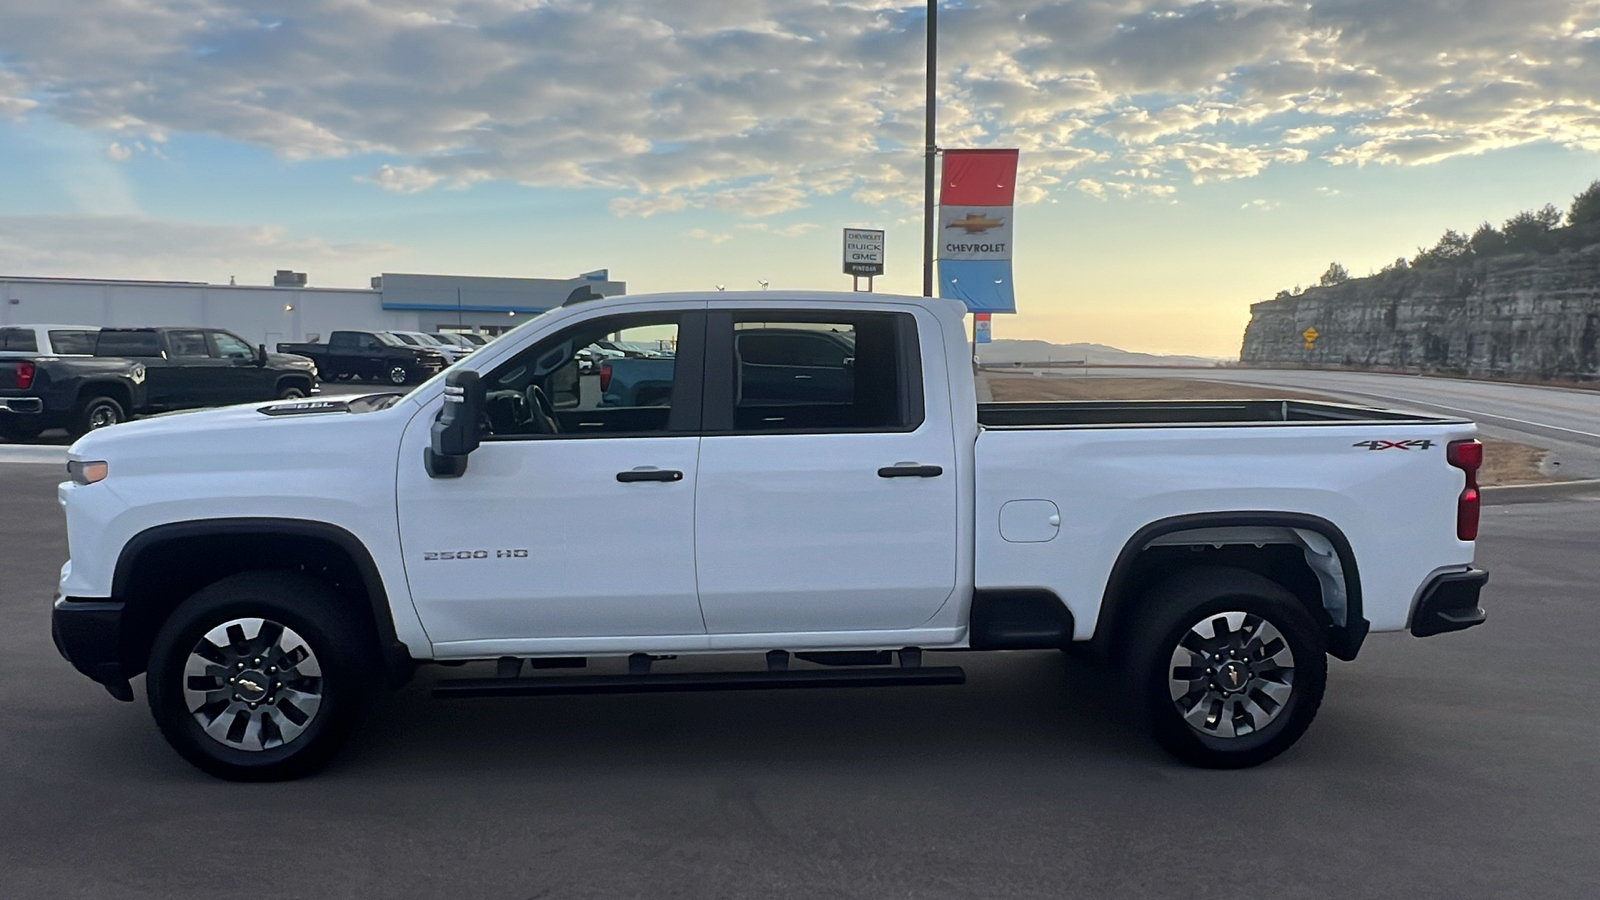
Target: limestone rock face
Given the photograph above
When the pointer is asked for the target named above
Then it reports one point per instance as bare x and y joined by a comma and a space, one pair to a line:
1518, 315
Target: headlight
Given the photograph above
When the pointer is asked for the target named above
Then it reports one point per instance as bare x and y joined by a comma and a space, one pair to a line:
87, 471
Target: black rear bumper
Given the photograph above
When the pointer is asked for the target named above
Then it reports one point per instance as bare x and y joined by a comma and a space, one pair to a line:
1450, 603
89, 635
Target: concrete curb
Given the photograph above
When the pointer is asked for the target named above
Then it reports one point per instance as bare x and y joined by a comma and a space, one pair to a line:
1534, 493
33, 454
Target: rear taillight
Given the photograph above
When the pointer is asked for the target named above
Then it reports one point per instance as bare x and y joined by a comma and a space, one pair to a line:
1468, 457
605, 377
24, 376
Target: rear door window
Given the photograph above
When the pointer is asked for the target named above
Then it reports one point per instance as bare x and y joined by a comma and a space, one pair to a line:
188, 344
128, 343
827, 373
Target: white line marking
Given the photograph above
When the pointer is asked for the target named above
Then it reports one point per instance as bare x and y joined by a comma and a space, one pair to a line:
36, 455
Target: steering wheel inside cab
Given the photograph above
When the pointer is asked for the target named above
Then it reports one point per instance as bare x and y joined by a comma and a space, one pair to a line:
510, 411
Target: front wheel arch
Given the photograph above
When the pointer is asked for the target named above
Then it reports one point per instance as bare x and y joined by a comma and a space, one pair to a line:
161, 566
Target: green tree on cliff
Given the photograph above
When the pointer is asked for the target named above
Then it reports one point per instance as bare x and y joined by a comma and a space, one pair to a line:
1585, 206
1487, 240
1452, 245
1336, 274
1530, 230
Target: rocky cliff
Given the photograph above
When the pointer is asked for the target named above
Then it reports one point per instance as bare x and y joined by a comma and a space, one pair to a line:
1521, 315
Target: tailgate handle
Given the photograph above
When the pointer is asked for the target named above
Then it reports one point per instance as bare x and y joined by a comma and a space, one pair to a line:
910, 470
633, 475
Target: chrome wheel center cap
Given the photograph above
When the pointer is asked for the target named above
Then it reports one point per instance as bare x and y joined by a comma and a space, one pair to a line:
253, 686
1233, 677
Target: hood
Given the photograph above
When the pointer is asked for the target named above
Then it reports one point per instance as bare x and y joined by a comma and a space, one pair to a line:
247, 426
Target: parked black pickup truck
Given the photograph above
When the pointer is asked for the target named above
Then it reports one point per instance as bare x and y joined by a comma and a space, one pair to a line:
369, 354
135, 371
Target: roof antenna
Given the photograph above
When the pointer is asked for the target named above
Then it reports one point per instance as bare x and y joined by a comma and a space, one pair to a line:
581, 294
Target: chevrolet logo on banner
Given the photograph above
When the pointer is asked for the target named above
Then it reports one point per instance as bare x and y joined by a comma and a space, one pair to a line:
975, 229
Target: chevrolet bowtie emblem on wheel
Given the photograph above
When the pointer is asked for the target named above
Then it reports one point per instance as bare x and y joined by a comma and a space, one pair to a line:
976, 224
249, 685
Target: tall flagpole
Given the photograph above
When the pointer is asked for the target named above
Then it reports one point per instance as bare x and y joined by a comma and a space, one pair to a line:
928, 222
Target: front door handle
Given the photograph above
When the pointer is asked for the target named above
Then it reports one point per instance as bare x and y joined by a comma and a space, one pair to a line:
633, 475
910, 470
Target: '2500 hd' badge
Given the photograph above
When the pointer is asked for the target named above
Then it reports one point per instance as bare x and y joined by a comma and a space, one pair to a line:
431, 555
1420, 444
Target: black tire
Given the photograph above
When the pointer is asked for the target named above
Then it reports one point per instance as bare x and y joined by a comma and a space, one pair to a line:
94, 413
13, 428
1197, 600
341, 647
397, 373
293, 390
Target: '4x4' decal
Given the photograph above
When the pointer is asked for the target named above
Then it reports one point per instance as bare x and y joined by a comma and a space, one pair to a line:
1420, 444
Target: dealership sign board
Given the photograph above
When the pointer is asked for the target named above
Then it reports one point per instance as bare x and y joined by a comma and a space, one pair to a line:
863, 251
975, 202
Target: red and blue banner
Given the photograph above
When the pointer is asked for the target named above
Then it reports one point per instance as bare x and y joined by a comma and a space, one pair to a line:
975, 203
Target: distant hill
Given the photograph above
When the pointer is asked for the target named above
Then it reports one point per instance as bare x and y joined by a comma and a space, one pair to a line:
1008, 351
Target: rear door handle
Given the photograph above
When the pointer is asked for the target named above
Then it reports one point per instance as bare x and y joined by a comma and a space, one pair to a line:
910, 470
633, 475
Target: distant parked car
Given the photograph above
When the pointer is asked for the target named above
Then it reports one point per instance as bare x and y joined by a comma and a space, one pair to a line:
451, 352
47, 340
136, 371
370, 354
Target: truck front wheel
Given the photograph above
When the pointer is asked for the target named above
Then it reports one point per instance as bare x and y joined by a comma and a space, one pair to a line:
1228, 667
259, 676
398, 373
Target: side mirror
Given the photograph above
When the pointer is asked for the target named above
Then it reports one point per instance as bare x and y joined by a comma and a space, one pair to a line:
563, 386
261, 355
457, 432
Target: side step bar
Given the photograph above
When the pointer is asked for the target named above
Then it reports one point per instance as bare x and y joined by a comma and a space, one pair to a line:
465, 688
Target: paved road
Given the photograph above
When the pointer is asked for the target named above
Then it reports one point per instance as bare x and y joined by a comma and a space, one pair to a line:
1460, 767
1563, 420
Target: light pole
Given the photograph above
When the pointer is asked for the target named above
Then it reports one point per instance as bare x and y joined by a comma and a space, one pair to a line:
929, 151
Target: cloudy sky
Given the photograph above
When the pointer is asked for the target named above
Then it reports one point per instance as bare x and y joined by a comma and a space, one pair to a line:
1181, 159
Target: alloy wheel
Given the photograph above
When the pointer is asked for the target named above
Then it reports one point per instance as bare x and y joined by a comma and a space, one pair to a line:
252, 684
1231, 674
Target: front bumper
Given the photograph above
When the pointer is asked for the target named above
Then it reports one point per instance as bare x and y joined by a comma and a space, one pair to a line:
1450, 603
88, 633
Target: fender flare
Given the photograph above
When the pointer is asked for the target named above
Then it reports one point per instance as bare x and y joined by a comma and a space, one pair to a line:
1344, 642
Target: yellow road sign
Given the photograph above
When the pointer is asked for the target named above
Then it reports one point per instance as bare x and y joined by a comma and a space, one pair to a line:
1311, 335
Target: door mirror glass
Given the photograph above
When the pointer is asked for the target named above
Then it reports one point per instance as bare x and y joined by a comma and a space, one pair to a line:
458, 430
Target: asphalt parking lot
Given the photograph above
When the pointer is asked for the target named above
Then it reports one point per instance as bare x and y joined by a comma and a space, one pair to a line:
1463, 766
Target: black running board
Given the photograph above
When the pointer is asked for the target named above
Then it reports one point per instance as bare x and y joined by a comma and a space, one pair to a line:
466, 688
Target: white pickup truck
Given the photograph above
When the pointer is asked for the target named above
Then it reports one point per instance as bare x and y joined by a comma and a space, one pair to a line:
819, 487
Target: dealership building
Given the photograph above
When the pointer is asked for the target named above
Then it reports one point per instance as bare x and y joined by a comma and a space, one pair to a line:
292, 311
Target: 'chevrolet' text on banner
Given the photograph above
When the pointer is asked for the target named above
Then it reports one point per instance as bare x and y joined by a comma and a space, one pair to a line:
975, 229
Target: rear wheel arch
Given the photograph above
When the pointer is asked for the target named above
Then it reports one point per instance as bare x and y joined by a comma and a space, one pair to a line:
163, 566
114, 389
1144, 562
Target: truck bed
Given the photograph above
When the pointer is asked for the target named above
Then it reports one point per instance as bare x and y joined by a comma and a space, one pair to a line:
1146, 413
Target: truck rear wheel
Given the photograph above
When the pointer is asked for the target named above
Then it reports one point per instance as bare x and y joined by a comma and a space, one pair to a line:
1229, 668
96, 413
260, 676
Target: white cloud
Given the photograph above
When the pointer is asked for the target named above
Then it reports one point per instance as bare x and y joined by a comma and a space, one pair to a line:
700, 234
759, 108
404, 179
136, 247
1307, 134
119, 151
